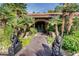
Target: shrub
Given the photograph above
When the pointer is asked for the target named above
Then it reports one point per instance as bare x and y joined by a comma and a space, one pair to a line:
26, 41
71, 42
4, 42
50, 40
33, 30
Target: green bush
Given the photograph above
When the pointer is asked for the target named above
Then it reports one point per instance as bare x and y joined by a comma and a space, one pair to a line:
50, 40
71, 42
33, 30
8, 30
26, 41
4, 41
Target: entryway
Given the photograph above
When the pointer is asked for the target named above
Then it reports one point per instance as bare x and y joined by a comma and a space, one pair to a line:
40, 26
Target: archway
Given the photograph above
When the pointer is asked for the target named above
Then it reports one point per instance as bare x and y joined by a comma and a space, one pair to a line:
41, 26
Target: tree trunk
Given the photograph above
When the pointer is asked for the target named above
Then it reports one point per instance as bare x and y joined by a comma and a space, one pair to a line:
70, 23
25, 30
63, 23
56, 30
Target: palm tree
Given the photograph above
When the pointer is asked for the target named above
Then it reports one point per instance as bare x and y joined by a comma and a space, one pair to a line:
60, 9
15, 15
71, 9
63, 20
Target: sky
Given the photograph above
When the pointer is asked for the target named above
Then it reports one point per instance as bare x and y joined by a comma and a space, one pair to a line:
40, 7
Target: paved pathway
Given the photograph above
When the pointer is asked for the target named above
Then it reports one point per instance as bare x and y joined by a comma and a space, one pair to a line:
37, 47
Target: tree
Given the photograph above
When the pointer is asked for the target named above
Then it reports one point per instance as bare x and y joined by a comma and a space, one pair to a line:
59, 8
63, 20
71, 9
50, 11
55, 21
16, 16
